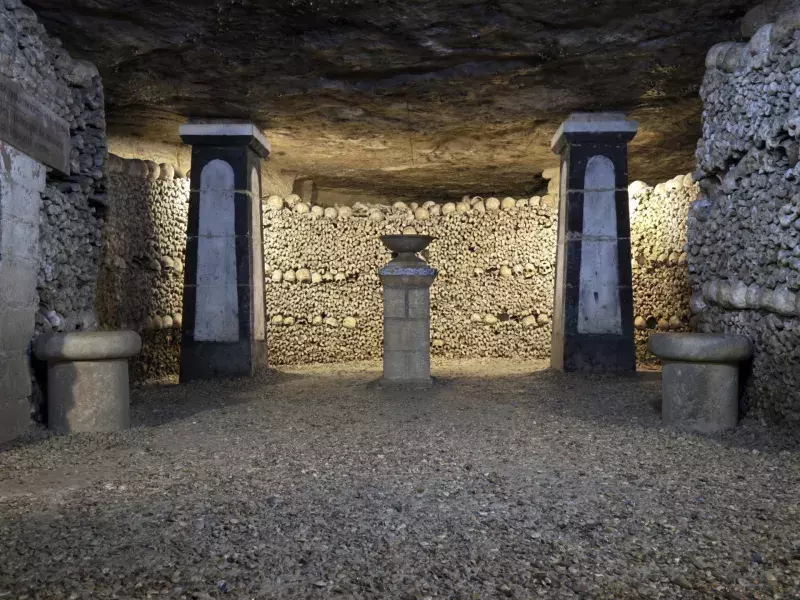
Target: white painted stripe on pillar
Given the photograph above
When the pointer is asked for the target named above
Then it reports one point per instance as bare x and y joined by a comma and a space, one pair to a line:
598, 302
217, 299
257, 253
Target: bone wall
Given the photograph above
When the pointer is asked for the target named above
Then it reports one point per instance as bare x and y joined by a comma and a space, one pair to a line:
493, 295
743, 232
661, 288
144, 244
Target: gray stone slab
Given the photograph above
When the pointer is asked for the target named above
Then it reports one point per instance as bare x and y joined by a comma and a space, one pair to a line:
18, 279
394, 302
599, 122
16, 328
394, 365
406, 334
15, 375
419, 303
87, 345
599, 309
700, 347
418, 364
33, 128
234, 130
600, 176
217, 303
16, 415
18, 198
217, 314
18, 238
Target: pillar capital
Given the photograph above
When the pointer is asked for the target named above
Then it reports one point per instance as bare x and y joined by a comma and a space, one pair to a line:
225, 134
594, 127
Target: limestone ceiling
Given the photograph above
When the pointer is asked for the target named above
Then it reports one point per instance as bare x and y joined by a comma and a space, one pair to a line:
407, 97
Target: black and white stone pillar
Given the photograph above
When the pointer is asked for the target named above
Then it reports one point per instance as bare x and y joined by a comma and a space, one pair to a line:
224, 320
593, 308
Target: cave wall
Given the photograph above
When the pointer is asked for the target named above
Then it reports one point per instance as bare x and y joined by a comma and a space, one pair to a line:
493, 296
63, 231
743, 232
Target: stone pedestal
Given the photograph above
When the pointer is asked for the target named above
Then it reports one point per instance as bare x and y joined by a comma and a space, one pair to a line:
224, 319
700, 379
406, 283
87, 379
593, 307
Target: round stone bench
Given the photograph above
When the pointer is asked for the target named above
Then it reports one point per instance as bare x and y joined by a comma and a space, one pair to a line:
700, 379
87, 379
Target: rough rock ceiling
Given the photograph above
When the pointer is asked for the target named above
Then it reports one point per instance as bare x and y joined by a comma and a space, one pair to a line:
411, 97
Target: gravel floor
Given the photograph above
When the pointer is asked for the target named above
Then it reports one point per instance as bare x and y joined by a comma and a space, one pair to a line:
504, 481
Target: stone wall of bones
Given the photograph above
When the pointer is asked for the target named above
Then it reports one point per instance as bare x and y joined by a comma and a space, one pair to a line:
743, 232
493, 295
659, 253
140, 285
69, 223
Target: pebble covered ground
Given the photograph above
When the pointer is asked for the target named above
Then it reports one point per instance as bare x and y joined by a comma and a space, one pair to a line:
505, 480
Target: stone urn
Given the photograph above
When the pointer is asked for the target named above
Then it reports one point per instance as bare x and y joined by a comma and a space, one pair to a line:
406, 280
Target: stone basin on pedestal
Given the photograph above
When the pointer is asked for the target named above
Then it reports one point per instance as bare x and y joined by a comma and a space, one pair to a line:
406, 280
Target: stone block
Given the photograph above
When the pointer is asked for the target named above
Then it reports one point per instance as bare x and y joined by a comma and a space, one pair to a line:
216, 260
217, 313
418, 365
394, 303
18, 277
16, 416
25, 171
419, 303
16, 329
85, 396
15, 375
406, 334
19, 239
20, 202
700, 379
700, 397
394, 365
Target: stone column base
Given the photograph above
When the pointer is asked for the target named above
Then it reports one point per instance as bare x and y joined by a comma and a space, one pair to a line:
87, 379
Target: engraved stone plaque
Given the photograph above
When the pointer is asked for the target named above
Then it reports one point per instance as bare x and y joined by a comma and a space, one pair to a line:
32, 128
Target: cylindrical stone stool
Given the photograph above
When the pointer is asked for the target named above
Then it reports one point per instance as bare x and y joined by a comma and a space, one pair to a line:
87, 379
406, 283
700, 379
